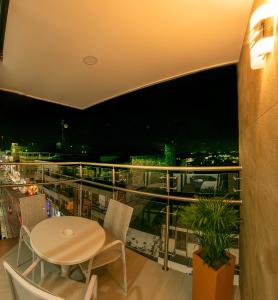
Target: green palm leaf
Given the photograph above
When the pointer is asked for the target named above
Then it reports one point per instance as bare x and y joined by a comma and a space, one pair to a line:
215, 224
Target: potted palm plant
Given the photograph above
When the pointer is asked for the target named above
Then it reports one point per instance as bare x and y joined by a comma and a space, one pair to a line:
215, 223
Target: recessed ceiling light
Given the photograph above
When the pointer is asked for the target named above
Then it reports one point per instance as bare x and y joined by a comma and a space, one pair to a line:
90, 60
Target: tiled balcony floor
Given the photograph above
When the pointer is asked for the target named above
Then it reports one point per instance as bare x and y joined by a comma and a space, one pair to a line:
146, 280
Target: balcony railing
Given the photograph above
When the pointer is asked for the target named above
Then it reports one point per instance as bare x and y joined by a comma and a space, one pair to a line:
157, 194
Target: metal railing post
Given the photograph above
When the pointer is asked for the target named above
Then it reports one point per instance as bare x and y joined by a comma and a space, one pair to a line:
166, 241
80, 190
113, 180
168, 182
42, 173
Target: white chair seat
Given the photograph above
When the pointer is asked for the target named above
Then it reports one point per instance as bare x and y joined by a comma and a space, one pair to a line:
106, 257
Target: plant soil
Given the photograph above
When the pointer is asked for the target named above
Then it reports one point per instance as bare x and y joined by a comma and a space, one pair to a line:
217, 264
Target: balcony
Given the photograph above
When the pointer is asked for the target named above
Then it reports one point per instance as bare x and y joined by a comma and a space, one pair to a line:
156, 238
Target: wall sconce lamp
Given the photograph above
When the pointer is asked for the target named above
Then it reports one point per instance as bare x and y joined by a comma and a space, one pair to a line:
262, 33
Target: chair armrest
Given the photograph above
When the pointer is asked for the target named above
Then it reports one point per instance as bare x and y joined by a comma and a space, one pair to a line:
23, 227
112, 244
31, 267
91, 292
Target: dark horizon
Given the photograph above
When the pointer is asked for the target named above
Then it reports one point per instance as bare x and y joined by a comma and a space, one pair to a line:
195, 113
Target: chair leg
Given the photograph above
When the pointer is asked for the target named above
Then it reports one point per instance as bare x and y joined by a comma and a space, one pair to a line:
19, 247
33, 272
124, 268
42, 269
95, 290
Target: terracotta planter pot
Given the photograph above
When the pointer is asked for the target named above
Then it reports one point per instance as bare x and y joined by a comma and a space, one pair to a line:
211, 284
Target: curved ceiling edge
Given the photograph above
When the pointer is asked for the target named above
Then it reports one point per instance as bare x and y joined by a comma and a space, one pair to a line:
164, 80
126, 91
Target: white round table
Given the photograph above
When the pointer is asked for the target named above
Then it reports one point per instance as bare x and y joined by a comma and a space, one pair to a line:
67, 240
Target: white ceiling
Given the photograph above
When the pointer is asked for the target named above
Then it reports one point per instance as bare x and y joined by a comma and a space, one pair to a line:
137, 43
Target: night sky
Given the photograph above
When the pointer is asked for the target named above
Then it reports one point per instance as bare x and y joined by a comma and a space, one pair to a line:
195, 113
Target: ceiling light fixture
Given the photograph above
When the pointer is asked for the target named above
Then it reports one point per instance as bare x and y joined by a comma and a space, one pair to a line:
262, 33
90, 60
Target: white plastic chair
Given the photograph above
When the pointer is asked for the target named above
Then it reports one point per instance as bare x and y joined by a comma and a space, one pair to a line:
33, 211
116, 223
52, 287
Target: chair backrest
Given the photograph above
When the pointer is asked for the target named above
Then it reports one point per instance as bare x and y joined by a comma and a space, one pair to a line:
117, 219
33, 210
23, 289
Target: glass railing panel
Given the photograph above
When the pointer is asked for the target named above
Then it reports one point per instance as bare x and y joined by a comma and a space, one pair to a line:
38, 173
122, 177
70, 171
145, 180
89, 172
62, 199
10, 212
98, 174
182, 241
204, 184
144, 234
14, 174
162, 181
51, 172
27, 179
94, 201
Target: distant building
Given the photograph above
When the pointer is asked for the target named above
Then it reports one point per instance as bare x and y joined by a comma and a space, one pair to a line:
15, 151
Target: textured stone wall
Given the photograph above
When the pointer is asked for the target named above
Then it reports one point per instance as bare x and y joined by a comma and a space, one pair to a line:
258, 142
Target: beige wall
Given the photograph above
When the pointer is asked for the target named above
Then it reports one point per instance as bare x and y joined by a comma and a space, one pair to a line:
258, 139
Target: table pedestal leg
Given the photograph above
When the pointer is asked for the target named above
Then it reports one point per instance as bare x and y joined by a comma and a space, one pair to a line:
65, 271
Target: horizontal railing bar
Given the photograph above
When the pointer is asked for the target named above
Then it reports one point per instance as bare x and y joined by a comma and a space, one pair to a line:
165, 197
169, 168
22, 153
38, 183
161, 168
39, 163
